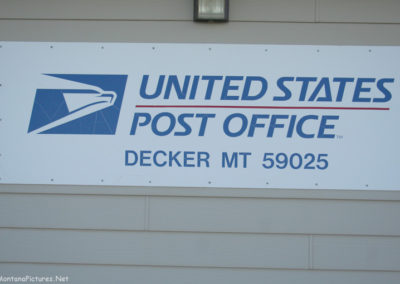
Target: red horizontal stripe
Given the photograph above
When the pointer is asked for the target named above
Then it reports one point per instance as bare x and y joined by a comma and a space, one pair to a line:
263, 107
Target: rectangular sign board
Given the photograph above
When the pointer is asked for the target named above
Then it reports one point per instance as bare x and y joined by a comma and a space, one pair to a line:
200, 115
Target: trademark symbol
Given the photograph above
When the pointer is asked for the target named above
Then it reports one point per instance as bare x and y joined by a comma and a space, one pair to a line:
339, 136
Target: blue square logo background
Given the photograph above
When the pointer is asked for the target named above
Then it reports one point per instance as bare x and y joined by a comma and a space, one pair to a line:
50, 106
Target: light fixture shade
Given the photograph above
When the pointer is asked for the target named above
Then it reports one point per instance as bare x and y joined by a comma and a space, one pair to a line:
211, 10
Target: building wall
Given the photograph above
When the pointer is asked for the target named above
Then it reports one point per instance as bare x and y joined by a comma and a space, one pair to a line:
197, 235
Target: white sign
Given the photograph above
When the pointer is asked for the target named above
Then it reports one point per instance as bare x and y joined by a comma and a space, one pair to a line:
200, 115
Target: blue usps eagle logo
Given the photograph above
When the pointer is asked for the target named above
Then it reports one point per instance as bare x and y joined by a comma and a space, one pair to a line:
91, 110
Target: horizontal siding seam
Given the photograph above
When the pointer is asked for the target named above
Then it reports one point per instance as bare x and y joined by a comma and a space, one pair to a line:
307, 234
307, 196
194, 266
191, 21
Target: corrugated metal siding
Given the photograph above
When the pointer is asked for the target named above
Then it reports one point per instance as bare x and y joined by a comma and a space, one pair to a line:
194, 235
